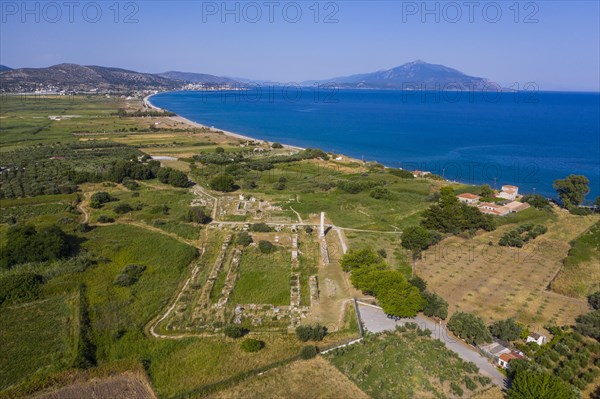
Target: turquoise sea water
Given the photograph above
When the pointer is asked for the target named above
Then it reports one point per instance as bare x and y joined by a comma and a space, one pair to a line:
524, 139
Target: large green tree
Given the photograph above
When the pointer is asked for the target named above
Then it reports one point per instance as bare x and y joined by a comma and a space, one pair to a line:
529, 384
469, 327
451, 216
222, 182
436, 306
507, 330
572, 190
356, 258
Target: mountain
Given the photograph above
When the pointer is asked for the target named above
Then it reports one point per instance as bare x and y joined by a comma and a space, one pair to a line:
191, 77
73, 77
416, 75
4, 68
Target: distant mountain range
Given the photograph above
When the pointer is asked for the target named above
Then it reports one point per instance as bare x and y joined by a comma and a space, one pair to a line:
191, 77
417, 75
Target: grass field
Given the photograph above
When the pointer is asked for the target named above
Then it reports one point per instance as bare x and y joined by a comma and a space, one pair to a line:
36, 338
263, 278
477, 275
308, 379
580, 275
405, 365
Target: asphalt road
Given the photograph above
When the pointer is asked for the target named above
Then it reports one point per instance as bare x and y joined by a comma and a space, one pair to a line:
375, 320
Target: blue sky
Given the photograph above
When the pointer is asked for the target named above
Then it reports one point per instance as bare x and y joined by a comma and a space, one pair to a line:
555, 44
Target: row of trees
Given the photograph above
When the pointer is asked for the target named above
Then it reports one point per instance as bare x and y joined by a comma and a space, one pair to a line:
397, 295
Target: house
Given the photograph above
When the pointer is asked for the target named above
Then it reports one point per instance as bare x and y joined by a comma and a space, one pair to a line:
495, 349
505, 358
516, 206
490, 208
468, 198
420, 173
537, 338
508, 192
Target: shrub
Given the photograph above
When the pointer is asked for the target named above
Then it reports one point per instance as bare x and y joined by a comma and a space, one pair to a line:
131, 184
507, 330
124, 280
233, 331
470, 384
469, 327
222, 182
123, 208
105, 219
197, 214
260, 228
279, 186
311, 333
243, 238
276, 145
219, 150
308, 352
380, 193
456, 389
129, 275
27, 244
252, 345
100, 198
266, 247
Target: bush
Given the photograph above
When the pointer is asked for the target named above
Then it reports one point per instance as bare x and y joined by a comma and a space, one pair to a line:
260, 228
105, 219
308, 352
123, 208
131, 184
20, 287
25, 244
380, 193
244, 239
311, 333
222, 182
266, 247
129, 275
469, 327
100, 198
456, 389
276, 145
252, 345
197, 214
233, 331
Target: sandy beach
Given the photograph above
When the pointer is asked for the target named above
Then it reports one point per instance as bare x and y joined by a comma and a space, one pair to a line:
191, 123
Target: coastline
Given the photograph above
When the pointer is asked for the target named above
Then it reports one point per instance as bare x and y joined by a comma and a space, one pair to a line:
191, 123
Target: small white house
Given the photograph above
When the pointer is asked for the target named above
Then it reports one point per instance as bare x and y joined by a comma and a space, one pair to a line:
509, 192
468, 198
537, 338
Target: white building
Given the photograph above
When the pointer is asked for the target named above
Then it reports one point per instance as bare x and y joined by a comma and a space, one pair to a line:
537, 338
508, 192
468, 198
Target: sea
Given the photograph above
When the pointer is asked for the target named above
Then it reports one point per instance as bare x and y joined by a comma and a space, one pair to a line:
527, 139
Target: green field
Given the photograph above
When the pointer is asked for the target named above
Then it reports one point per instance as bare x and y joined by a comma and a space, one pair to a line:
36, 338
263, 278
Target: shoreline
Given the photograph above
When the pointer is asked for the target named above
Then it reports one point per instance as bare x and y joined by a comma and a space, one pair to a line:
191, 123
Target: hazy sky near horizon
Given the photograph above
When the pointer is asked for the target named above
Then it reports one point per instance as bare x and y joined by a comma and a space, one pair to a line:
555, 44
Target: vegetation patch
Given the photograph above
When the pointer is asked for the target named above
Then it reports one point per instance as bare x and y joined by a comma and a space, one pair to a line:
406, 364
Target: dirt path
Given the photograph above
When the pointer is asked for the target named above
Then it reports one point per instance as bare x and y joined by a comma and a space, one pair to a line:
83, 208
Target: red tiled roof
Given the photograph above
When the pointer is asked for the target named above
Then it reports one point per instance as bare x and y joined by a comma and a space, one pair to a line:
468, 196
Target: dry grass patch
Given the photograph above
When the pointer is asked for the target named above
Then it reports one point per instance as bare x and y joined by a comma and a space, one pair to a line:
314, 378
130, 385
477, 275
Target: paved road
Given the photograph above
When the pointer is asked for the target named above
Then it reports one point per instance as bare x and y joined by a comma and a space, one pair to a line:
375, 321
